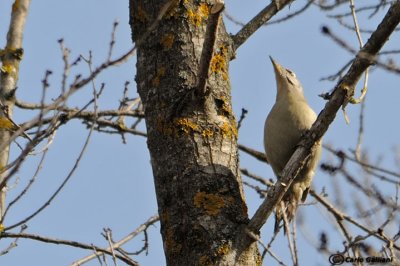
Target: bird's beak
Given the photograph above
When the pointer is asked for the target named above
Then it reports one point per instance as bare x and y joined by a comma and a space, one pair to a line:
277, 67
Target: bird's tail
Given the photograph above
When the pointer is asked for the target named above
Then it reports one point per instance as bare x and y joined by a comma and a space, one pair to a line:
285, 211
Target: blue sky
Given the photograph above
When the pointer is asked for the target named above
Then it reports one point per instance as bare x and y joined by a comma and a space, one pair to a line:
113, 186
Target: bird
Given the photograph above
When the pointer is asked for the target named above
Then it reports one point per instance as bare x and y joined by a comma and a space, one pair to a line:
289, 119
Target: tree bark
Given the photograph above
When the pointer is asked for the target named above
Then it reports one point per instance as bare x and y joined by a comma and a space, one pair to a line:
182, 78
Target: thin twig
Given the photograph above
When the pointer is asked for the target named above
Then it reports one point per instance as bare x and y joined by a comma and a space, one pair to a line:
242, 117
268, 183
288, 233
47, 203
74, 111
360, 131
116, 245
256, 154
30, 183
294, 238
361, 44
341, 216
110, 243
112, 42
366, 165
267, 249
66, 243
13, 244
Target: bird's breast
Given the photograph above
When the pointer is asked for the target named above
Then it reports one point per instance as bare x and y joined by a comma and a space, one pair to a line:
284, 126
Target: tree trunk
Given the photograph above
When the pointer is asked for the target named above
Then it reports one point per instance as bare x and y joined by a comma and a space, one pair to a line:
182, 78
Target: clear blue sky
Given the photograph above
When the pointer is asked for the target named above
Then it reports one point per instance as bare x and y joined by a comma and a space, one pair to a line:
113, 186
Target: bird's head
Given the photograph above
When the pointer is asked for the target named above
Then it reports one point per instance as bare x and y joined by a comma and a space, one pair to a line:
288, 86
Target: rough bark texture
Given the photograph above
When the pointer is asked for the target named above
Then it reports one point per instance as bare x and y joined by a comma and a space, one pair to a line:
192, 134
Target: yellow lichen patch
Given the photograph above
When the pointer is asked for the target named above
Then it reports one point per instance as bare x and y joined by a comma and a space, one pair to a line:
211, 203
2, 228
226, 129
204, 10
229, 130
234, 128
181, 125
167, 41
218, 65
207, 133
170, 244
156, 80
121, 125
194, 18
5, 123
222, 250
225, 106
198, 16
7, 68
186, 125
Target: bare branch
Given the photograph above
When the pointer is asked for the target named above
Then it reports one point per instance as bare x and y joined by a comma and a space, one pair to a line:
266, 14
256, 154
213, 23
66, 243
8, 81
289, 16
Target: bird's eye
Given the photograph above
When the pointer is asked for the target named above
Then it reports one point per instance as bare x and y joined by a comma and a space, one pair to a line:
291, 72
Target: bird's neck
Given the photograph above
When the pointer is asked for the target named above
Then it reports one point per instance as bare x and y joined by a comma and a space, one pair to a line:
290, 97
